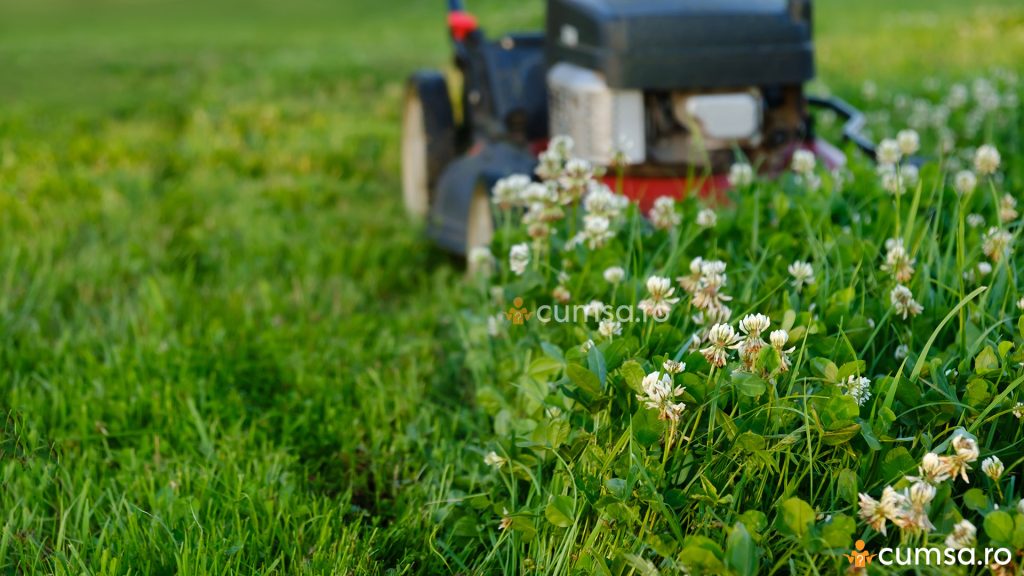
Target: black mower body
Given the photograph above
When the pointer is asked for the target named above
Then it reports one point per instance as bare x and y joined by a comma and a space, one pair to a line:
691, 44
505, 92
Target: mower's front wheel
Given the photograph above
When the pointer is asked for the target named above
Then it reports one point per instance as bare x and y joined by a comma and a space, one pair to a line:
428, 139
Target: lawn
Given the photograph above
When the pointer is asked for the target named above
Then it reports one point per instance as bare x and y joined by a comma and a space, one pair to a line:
223, 347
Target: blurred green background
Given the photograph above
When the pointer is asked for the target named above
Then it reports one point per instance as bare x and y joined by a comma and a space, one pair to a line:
221, 340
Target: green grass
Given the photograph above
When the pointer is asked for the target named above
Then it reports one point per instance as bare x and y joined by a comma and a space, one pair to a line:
223, 349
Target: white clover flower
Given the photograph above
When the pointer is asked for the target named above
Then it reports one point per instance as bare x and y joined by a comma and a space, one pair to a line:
609, 328
660, 394
706, 289
493, 460
875, 512
893, 502
494, 325
578, 168
672, 367
480, 260
752, 325
802, 273
508, 191
596, 231
563, 277
1020, 304
707, 218
538, 219
903, 302
694, 343
984, 268
663, 214
919, 496
804, 162
964, 535
986, 160
902, 351
506, 520
593, 309
601, 201
561, 294
691, 282
1007, 208
975, 220
659, 305
888, 152
997, 244
965, 182
858, 388
779, 339
537, 195
552, 161
710, 268
538, 224
614, 274
561, 145
660, 287
909, 142
518, 258
966, 452
741, 175
621, 152
892, 181
574, 181
721, 337
872, 512
992, 467
933, 469
898, 262
1018, 410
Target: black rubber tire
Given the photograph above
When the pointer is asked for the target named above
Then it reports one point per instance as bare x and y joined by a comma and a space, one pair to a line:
428, 139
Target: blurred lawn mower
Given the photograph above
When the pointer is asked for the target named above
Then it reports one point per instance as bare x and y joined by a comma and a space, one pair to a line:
676, 89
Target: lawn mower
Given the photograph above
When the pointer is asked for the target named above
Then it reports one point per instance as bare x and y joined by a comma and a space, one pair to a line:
676, 91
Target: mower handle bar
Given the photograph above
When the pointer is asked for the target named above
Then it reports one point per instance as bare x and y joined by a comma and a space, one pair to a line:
853, 129
456, 6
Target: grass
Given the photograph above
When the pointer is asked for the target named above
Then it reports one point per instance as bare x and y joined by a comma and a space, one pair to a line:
223, 348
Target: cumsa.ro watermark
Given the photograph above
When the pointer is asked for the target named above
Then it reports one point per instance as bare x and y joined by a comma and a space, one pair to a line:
518, 313
929, 556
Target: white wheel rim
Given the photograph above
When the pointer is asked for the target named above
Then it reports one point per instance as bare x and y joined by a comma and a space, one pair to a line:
480, 225
415, 187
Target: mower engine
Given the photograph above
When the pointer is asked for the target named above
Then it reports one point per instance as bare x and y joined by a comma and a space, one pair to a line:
674, 86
